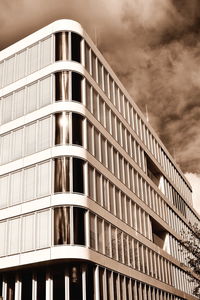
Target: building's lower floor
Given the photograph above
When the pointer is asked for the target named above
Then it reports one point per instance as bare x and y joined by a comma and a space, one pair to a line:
75, 280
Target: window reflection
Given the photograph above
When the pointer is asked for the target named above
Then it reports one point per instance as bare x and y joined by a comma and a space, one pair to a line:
62, 128
75, 283
61, 176
61, 226
62, 86
62, 46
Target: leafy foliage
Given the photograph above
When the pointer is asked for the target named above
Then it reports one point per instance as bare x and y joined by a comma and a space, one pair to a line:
191, 246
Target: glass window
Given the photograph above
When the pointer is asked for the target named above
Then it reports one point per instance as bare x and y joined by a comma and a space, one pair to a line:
77, 124
111, 89
10, 280
4, 191
102, 111
43, 230
30, 139
111, 198
114, 244
62, 86
90, 137
119, 242
91, 181
105, 193
88, 97
6, 109
109, 147
13, 235
61, 225
100, 77
95, 104
3, 230
17, 145
76, 47
44, 134
41, 285
94, 72
33, 58
58, 283
79, 225
45, 91
87, 57
78, 179
61, 175
103, 150
28, 233
100, 235
9, 70
18, 104
46, 47
43, 184
75, 283
61, 45
98, 187
76, 87
20, 67
107, 238
106, 82
26, 285
16, 187
29, 188
96, 141
92, 231
31, 97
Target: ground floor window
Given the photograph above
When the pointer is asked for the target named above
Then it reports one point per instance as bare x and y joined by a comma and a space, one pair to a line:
76, 280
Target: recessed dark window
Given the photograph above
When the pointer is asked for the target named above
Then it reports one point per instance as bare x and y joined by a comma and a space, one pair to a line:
77, 121
78, 182
79, 226
76, 47
90, 283
61, 175
62, 46
26, 285
75, 283
159, 233
41, 285
61, 89
61, 225
1, 284
76, 87
153, 172
11, 286
58, 284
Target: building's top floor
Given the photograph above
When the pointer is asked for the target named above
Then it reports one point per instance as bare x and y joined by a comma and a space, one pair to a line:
154, 143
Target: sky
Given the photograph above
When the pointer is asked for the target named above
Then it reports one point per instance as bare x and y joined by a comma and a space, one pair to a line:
152, 46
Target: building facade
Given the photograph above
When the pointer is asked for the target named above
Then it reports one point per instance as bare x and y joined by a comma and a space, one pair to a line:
91, 203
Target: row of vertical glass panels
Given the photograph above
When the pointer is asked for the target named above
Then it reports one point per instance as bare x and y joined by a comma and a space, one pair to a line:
36, 181
27, 61
39, 135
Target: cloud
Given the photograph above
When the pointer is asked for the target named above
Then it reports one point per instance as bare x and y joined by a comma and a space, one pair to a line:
153, 46
194, 180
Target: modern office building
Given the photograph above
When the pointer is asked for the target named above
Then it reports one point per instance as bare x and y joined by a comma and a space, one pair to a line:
91, 202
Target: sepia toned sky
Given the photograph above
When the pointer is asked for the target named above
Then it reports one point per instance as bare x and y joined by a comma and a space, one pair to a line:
153, 46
